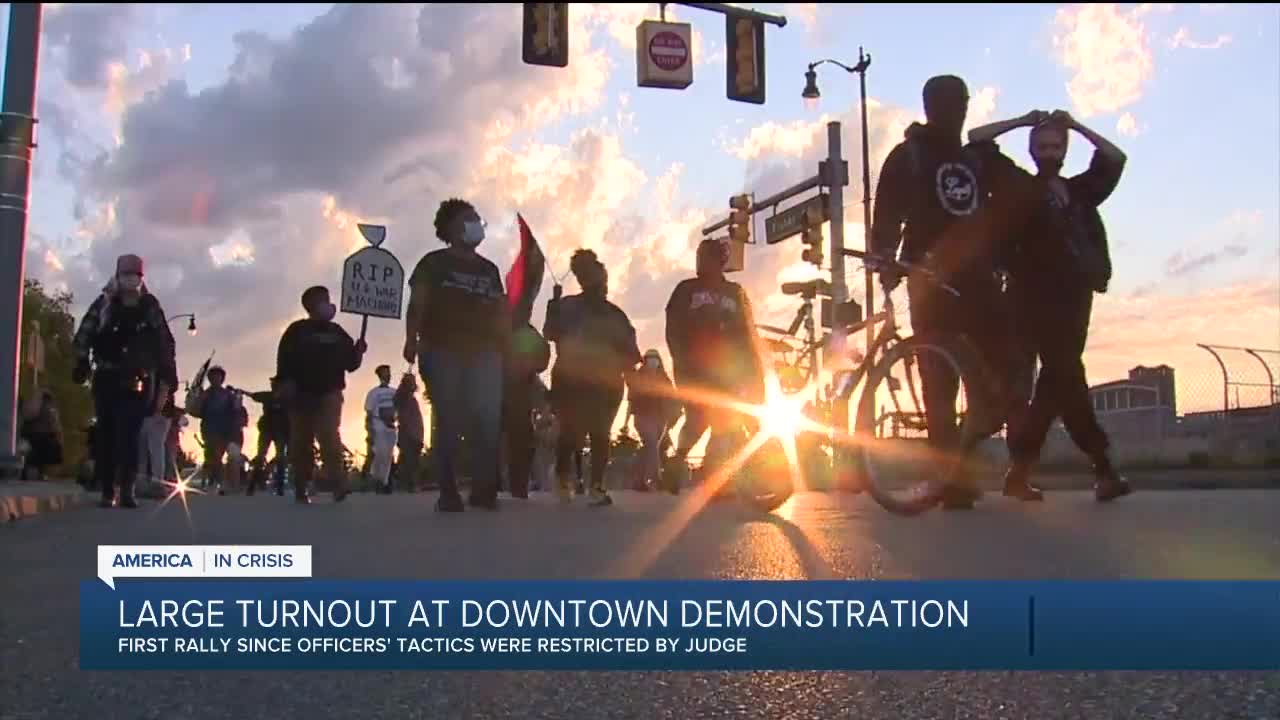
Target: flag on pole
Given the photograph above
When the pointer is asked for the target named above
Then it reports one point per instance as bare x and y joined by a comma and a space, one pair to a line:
524, 280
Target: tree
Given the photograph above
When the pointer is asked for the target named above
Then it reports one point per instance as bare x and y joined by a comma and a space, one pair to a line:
51, 312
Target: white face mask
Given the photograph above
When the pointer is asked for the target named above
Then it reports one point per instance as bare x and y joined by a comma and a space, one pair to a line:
652, 363
472, 233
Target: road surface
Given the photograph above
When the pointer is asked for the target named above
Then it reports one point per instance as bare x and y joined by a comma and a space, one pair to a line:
1224, 534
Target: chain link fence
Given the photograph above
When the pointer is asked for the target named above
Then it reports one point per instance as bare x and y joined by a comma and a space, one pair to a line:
1220, 408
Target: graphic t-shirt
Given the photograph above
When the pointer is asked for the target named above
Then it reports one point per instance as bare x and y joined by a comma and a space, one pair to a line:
464, 302
707, 325
380, 400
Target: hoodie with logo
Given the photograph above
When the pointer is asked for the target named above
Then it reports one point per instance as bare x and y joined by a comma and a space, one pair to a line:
929, 200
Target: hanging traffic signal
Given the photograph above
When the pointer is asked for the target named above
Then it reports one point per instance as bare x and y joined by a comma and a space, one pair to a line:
546, 34
811, 236
740, 219
744, 39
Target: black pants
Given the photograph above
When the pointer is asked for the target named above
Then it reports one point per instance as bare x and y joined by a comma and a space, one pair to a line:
120, 408
280, 439
517, 427
586, 410
982, 315
1054, 331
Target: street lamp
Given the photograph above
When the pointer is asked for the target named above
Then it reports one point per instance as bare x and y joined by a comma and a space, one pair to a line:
191, 326
811, 95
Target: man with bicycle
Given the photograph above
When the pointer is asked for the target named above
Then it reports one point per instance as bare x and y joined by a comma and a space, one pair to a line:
712, 340
931, 199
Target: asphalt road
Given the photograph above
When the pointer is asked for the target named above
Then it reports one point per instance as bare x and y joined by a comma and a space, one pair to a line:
1192, 534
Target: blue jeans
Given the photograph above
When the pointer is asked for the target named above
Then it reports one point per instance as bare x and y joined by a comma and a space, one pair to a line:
466, 398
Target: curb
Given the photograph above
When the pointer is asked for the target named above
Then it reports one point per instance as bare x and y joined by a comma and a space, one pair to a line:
16, 507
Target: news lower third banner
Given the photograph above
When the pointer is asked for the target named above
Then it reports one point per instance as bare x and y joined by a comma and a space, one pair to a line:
150, 622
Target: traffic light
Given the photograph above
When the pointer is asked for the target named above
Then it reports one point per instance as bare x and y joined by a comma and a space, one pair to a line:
740, 219
745, 63
546, 34
811, 236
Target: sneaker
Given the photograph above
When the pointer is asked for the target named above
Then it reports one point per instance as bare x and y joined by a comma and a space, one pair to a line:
302, 499
128, 503
600, 498
106, 502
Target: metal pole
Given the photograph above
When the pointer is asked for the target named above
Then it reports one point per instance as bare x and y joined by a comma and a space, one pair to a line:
773, 199
835, 179
864, 62
17, 141
737, 12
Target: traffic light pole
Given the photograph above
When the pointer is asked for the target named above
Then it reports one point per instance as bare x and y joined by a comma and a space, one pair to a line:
833, 173
737, 12
835, 176
17, 141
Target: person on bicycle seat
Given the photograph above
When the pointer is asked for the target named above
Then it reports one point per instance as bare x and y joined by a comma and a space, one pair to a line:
930, 200
712, 340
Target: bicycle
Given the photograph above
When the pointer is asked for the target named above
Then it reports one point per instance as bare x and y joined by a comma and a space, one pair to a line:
955, 351
795, 374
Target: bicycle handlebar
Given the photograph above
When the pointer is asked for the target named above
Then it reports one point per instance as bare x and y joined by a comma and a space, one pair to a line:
878, 262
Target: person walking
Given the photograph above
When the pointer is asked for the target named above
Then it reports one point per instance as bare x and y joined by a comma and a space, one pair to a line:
1057, 259
313, 359
124, 346
409, 438
596, 354
457, 329
380, 422
654, 407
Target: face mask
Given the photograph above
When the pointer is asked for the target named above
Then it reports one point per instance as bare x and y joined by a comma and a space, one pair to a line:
472, 233
652, 364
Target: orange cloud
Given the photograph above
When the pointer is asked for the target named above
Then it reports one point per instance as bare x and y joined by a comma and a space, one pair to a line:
1109, 52
1159, 328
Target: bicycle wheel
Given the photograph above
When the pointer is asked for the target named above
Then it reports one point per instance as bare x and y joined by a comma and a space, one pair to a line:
903, 471
764, 481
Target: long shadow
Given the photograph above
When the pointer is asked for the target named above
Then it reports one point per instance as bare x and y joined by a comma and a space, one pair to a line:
814, 566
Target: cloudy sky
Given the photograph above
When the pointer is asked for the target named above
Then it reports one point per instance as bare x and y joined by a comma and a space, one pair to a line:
234, 147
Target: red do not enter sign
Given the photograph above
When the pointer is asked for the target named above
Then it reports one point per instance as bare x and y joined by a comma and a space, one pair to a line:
668, 51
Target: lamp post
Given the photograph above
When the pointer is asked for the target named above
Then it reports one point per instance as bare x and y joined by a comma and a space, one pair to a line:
191, 326
17, 145
811, 96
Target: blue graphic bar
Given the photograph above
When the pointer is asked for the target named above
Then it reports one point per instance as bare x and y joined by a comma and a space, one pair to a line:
668, 625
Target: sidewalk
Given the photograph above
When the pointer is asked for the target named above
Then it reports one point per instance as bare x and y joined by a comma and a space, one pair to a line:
24, 499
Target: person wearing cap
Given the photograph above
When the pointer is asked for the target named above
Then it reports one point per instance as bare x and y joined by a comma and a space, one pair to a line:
596, 354
380, 421
312, 363
124, 346
712, 339
930, 201
652, 403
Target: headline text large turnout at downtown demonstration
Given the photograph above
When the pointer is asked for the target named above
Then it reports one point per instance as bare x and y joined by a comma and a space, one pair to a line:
762, 613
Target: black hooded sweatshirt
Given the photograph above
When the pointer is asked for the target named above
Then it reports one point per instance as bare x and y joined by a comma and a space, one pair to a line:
932, 189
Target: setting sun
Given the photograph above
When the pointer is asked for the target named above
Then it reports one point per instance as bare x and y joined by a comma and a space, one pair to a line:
782, 415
